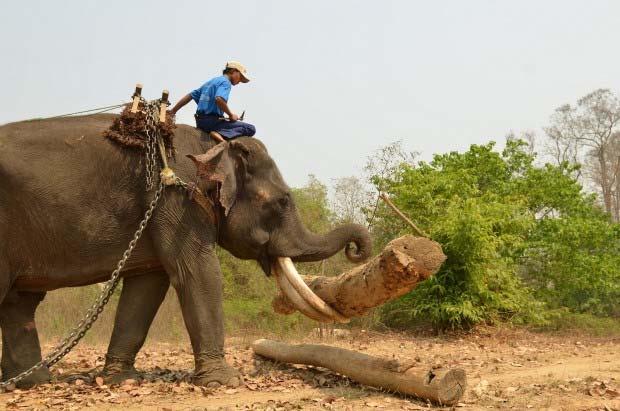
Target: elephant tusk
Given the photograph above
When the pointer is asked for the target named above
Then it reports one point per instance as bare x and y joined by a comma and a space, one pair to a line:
298, 302
285, 266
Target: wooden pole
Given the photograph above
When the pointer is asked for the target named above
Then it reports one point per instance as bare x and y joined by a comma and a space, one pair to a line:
136, 98
443, 387
387, 200
163, 106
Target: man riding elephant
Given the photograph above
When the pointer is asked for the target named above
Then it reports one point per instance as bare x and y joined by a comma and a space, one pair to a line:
212, 101
70, 201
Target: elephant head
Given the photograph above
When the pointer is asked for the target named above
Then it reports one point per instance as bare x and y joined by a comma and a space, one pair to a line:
259, 219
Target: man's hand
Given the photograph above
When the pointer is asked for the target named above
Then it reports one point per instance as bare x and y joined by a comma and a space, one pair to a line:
233, 117
221, 103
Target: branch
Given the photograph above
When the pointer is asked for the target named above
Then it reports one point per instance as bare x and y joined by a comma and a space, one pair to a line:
403, 217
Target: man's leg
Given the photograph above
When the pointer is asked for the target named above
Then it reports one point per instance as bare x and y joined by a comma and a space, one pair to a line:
216, 136
209, 125
226, 129
233, 129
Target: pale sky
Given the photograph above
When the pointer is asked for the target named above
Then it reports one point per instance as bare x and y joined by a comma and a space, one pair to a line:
332, 80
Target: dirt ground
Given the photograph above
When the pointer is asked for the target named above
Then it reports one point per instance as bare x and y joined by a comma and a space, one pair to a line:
506, 369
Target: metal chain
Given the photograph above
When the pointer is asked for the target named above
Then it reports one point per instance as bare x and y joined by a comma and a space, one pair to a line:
80, 330
151, 111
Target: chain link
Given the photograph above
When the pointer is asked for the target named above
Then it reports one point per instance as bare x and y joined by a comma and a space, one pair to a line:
151, 111
80, 330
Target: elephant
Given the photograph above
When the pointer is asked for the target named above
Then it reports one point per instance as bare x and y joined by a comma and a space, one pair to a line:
70, 201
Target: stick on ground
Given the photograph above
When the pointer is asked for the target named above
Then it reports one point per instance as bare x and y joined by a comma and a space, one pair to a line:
442, 387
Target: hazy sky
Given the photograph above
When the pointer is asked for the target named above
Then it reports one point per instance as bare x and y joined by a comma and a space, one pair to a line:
332, 80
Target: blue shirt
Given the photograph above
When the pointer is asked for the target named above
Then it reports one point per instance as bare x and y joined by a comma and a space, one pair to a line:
206, 94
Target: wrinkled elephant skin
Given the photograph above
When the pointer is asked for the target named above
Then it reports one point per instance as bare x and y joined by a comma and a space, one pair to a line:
70, 201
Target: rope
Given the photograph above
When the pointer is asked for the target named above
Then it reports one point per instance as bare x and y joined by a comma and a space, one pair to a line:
93, 111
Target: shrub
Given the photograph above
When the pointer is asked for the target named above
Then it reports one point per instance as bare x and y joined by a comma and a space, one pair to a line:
517, 238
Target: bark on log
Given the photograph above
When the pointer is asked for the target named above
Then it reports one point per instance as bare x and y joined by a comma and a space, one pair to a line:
442, 387
402, 264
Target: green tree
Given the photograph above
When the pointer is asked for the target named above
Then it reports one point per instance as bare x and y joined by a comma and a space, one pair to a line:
574, 263
498, 216
313, 205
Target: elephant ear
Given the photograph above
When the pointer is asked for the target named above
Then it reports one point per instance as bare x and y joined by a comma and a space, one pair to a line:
218, 166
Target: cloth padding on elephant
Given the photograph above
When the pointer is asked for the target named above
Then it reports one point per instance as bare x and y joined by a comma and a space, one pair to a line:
128, 130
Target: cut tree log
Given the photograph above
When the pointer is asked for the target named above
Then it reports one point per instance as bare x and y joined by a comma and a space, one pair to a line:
402, 264
440, 386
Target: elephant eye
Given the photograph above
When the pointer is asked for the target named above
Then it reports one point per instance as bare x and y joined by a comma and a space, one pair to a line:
276, 205
284, 200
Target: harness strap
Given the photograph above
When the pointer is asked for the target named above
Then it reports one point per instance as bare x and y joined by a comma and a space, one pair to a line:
168, 177
202, 200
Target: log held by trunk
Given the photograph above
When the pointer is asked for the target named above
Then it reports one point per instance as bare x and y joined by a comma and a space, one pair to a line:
443, 387
402, 264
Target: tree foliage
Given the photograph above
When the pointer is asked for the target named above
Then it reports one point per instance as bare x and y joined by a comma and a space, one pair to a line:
313, 205
506, 226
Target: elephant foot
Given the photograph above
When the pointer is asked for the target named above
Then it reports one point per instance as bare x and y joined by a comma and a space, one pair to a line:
117, 370
40, 376
216, 372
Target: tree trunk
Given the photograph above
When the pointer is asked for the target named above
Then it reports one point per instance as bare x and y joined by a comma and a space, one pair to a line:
606, 186
616, 191
442, 387
399, 268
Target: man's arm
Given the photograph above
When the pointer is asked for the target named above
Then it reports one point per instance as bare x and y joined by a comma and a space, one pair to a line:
183, 101
221, 103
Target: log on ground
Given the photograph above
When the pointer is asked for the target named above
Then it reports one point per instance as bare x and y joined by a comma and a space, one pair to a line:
440, 386
402, 264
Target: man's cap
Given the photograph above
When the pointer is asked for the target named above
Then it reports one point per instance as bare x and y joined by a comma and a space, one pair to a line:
238, 66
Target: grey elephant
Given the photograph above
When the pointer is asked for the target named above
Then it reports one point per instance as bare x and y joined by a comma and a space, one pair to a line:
70, 201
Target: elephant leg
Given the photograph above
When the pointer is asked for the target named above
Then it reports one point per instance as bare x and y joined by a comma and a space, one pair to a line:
5, 280
185, 242
20, 341
140, 299
200, 295
4, 286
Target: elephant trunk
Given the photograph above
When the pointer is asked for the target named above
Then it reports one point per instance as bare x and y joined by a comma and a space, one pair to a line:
294, 242
307, 246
